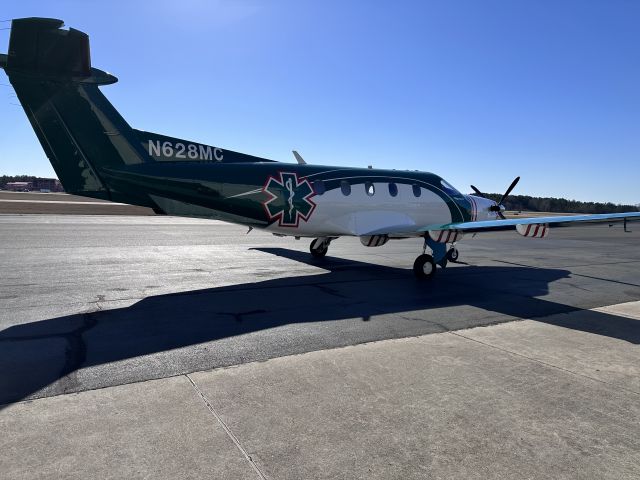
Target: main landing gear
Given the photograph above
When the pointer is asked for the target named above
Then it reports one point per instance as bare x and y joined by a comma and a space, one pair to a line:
424, 267
320, 246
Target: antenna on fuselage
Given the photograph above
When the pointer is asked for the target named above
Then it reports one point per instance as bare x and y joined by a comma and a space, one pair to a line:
299, 158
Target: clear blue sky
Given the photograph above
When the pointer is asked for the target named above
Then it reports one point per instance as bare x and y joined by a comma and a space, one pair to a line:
476, 91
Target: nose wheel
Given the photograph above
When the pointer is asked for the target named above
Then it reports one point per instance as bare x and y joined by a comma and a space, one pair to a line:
453, 254
319, 247
424, 267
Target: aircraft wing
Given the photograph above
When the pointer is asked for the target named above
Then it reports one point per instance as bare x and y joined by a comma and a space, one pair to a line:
519, 224
513, 223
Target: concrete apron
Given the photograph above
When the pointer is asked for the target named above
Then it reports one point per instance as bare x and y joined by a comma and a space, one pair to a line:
518, 400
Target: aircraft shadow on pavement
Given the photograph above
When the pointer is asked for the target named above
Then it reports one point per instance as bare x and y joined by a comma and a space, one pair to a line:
35, 355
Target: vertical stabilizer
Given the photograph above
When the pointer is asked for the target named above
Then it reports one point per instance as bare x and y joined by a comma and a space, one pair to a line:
82, 134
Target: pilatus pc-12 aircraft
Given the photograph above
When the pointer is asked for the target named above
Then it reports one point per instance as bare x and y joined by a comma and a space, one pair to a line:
95, 153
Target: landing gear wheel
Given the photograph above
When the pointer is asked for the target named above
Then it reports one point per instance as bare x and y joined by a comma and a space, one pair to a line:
453, 254
424, 267
319, 248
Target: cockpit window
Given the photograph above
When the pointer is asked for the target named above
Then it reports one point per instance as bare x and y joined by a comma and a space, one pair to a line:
449, 189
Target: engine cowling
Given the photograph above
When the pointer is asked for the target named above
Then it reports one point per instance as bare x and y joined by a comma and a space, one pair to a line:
533, 230
374, 240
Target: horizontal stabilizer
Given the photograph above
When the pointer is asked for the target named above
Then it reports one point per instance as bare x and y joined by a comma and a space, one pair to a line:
40, 47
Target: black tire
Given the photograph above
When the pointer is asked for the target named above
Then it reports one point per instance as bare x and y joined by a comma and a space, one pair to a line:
318, 252
424, 267
453, 254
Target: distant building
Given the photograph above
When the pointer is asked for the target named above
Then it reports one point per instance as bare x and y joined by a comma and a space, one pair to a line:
51, 184
20, 186
35, 184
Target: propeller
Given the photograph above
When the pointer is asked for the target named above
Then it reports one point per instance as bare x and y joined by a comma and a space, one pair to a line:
477, 192
511, 187
499, 206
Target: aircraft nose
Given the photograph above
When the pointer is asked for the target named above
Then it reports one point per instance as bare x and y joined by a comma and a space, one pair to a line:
485, 207
488, 204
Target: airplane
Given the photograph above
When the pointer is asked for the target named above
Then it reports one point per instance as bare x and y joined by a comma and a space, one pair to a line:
95, 153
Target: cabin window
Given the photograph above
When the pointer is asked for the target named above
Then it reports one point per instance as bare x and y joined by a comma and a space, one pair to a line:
345, 187
393, 189
318, 187
417, 191
369, 188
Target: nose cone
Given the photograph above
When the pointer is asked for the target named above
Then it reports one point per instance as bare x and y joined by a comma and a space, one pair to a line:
485, 208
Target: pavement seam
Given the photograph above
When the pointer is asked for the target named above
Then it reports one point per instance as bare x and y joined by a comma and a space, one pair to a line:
570, 372
227, 430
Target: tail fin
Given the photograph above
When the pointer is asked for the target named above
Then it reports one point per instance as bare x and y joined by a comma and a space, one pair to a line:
87, 141
80, 131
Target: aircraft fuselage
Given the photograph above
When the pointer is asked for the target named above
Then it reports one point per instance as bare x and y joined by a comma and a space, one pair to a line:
300, 200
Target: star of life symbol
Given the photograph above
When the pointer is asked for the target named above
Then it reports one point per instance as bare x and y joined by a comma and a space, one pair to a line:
289, 199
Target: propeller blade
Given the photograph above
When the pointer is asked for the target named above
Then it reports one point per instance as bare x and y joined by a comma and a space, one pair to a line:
502, 217
477, 192
511, 187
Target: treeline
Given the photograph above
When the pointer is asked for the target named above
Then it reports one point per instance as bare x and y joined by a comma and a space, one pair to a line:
559, 205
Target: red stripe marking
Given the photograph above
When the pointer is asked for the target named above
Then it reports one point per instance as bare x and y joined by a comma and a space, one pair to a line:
526, 233
535, 233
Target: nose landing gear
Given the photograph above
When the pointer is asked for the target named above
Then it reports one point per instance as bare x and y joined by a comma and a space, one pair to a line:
320, 246
424, 267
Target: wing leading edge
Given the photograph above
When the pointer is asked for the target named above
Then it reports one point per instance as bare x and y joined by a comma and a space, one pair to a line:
556, 221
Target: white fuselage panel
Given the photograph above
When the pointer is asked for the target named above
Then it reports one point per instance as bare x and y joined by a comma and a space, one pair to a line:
360, 214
